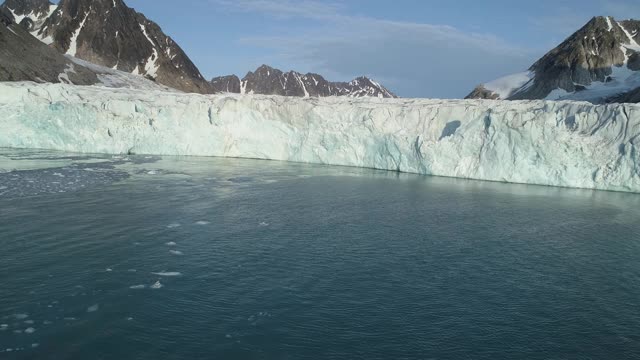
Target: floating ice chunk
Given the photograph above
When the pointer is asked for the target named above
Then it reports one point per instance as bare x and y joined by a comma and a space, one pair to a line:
4, 327
132, 270
201, 223
173, 225
20, 316
29, 322
129, 319
176, 252
30, 330
157, 285
137, 287
109, 270
34, 345
93, 308
264, 224
70, 319
152, 172
171, 243
167, 273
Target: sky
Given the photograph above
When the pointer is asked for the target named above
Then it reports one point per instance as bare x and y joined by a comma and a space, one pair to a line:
416, 48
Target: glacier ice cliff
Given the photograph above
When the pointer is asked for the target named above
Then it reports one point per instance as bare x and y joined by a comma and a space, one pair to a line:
573, 144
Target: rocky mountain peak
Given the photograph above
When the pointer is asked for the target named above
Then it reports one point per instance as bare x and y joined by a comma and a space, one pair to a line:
599, 58
110, 34
271, 81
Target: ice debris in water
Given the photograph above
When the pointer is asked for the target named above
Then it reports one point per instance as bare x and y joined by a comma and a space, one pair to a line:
137, 287
263, 224
171, 243
93, 308
34, 345
20, 316
30, 330
109, 270
173, 225
167, 273
29, 322
202, 223
157, 285
176, 252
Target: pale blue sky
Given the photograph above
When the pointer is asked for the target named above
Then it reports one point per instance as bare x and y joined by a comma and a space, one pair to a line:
418, 48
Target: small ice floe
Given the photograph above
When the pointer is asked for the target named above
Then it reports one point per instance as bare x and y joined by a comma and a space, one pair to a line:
93, 308
109, 270
20, 316
167, 273
176, 252
137, 287
29, 322
171, 243
34, 345
228, 336
152, 172
4, 327
129, 319
157, 285
264, 224
173, 226
30, 330
202, 223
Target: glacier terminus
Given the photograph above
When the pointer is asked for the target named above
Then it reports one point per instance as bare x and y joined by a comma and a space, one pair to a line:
569, 144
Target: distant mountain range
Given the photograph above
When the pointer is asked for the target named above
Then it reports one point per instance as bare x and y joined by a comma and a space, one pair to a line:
105, 42
270, 81
121, 41
599, 63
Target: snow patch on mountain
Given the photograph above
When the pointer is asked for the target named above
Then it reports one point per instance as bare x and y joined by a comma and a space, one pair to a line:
506, 85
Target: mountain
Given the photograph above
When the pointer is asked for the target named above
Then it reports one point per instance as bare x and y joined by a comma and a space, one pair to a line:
269, 81
598, 63
110, 34
24, 58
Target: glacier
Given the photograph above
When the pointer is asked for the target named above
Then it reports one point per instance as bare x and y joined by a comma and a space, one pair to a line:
569, 144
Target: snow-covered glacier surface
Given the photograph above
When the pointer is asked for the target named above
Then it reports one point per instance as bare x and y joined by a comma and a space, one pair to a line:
570, 144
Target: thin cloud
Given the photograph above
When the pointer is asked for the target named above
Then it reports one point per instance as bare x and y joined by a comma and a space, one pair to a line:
284, 8
417, 59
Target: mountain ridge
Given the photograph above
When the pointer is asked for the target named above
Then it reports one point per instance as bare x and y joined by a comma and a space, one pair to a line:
596, 63
109, 33
266, 80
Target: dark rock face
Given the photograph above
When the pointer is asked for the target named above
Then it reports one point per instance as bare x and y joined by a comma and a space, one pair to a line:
587, 56
269, 81
25, 58
6, 18
34, 12
108, 33
230, 84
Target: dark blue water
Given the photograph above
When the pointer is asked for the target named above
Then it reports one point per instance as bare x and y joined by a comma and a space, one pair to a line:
289, 261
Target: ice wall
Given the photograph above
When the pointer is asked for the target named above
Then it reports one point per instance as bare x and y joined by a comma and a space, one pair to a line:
570, 144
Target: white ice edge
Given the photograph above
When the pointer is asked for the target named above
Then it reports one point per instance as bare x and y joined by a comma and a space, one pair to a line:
572, 144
